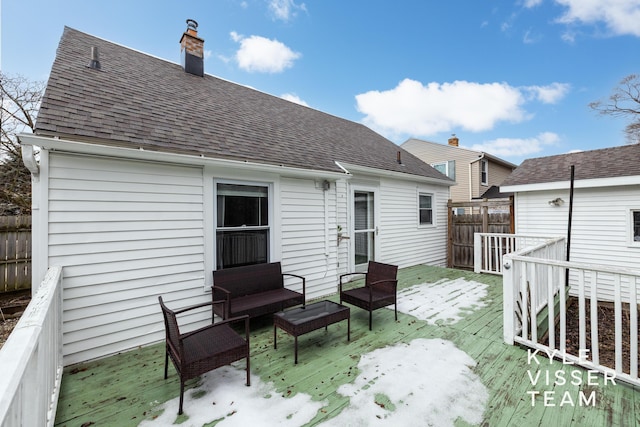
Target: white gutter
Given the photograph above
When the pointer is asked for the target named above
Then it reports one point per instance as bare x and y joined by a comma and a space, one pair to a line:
62, 145
393, 174
582, 183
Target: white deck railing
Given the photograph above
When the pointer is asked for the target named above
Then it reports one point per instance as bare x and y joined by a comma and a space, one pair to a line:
31, 359
537, 276
490, 248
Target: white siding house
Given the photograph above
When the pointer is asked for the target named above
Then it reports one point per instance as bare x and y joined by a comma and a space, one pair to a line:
606, 204
144, 178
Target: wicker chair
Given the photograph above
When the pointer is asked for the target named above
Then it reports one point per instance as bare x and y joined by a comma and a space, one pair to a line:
205, 349
379, 289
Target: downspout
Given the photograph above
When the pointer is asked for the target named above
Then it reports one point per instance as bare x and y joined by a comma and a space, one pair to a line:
29, 159
343, 168
39, 212
326, 185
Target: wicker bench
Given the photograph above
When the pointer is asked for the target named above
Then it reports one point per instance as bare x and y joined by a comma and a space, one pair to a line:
254, 290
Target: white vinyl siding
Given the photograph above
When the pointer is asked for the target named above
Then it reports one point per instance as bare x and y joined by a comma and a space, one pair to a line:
125, 232
402, 241
309, 234
600, 223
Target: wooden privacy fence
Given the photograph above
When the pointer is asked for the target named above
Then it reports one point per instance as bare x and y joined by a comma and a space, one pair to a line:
483, 216
15, 253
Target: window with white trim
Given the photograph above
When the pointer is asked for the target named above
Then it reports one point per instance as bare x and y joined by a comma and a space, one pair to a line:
242, 224
446, 168
635, 227
425, 209
484, 172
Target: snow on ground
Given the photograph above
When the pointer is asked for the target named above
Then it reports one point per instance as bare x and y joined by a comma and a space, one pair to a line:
425, 382
445, 300
224, 396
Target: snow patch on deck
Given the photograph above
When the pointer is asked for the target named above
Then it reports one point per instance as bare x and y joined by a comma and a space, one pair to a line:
223, 396
426, 382
445, 300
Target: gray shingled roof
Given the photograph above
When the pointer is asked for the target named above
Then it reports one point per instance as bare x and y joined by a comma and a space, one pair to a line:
137, 100
604, 163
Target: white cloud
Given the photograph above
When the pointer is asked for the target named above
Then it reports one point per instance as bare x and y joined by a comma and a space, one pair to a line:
417, 109
512, 147
294, 98
532, 3
285, 9
549, 94
264, 55
530, 37
620, 16
422, 110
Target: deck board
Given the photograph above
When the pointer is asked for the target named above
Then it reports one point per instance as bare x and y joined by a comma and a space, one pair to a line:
123, 389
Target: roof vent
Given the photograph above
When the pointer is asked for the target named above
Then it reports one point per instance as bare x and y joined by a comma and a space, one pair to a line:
95, 59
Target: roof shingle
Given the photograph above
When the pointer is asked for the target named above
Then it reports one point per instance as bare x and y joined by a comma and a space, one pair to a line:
137, 100
603, 163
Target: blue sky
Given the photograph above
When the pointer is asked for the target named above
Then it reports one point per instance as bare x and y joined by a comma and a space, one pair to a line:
513, 78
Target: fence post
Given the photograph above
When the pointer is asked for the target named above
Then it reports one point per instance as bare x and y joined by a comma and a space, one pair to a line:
508, 305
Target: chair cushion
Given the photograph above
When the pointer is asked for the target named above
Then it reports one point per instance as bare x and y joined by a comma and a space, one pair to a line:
212, 348
360, 298
265, 302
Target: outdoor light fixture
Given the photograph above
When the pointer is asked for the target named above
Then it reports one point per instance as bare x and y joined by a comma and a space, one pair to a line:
556, 202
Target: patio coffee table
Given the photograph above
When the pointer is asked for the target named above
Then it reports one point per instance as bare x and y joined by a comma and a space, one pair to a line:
299, 321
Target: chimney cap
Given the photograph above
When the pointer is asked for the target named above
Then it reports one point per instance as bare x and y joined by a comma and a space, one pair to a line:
192, 24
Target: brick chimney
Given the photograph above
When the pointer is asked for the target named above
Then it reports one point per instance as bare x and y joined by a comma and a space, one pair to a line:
453, 141
192, 50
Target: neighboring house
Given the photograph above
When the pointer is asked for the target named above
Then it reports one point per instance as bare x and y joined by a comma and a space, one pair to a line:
474, 171
606, 204
150, 176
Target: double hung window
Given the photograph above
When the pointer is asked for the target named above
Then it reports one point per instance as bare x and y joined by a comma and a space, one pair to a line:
635, 227
242, 224
484, 172
425, 208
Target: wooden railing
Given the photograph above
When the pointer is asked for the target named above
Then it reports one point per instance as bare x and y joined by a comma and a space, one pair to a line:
541, 276
490, 248
31, 359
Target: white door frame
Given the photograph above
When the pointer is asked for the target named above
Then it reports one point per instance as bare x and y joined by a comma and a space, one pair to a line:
374, 190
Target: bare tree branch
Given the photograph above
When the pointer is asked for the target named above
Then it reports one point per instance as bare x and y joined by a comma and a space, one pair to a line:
19, 103
624, 102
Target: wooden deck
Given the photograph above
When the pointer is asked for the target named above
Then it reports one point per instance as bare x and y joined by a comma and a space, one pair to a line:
122, 390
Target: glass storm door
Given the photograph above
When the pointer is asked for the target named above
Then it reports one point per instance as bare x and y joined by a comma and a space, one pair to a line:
364, 229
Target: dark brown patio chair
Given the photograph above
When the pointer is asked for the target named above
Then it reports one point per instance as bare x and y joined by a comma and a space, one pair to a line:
379, 289
197, 352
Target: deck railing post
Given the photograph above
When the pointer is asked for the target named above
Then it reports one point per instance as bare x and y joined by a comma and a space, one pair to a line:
477, 252
508, 281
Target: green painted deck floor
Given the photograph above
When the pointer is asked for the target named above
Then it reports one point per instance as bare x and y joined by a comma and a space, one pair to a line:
121, 390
